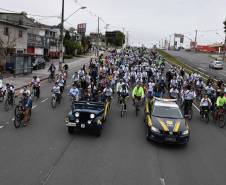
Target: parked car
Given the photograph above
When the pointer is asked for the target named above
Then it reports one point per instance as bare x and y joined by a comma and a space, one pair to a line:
38, 62
216, 64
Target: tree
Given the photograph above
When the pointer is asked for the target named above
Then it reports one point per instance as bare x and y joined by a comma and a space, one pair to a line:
224, 39
119, 39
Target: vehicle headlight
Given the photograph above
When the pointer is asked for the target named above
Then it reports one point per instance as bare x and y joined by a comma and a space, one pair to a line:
77, 114
66, 119
77, 120
92, 116
186, 132
89, 122
154, 129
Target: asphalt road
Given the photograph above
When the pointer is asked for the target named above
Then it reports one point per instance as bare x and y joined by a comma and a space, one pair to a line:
45, 154
200, 61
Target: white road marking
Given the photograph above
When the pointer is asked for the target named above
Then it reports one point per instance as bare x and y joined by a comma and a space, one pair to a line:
13, 119
196, 107
202, 69
162, 181
34, 106
44, 100
1, 126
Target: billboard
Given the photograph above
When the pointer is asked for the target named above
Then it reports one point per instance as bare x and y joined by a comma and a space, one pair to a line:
81, 28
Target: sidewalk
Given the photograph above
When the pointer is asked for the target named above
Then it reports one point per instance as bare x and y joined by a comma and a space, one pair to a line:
22, 80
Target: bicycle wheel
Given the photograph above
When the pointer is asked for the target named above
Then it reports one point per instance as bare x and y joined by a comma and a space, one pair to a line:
122, 110
17, 122
136, 109
53, 102
221, 121
6, 105
206, 117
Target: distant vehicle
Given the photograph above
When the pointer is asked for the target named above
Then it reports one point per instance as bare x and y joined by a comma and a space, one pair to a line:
87, 116
216, 64
165, 122
38, 62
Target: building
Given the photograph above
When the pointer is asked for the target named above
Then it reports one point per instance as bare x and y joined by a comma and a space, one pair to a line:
13, 39
41, 39
211, 48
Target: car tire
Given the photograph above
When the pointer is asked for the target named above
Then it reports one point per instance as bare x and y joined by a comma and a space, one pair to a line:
70, 130
148, 134
98, 132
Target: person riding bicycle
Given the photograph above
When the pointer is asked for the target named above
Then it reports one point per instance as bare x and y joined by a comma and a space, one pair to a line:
138, 93
174, 93
52, 70
27, 106
107, 93
10, 91
124, 93
220, 104
61, 83
74, 92
205, 104
189, 95
36, 86
66, 70
119, 87
56, 91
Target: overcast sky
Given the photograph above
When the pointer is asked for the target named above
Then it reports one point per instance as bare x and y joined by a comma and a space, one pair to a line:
147, 21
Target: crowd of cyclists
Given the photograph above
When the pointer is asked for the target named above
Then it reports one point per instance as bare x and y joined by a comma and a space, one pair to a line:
137, 72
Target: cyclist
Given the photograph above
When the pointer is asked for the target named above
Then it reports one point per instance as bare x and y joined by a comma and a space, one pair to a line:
119, 87
205, 104
10, 91
61, 83
26, 91
36, 86
124, 93
189, 95
138, 93
56, 91
74, 92
52, 70
174, 93
26, 105
107, 93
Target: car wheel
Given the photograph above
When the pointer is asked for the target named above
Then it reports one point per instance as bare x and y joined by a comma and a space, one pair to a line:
148, 134
98, 132
70, 130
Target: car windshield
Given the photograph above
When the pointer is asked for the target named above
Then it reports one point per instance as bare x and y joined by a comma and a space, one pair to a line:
218, 63
167, 112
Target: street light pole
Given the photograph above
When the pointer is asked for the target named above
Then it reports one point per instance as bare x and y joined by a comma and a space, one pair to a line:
62, 38
98, 39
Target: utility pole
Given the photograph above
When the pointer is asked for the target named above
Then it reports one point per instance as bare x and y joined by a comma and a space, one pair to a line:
127, 38
106, 42
196, 35
98, 40
62, 38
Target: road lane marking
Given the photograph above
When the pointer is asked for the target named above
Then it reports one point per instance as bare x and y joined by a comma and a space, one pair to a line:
196, 107
202, 69
13, 119
162, 181
34, 106
1, 126
44, 100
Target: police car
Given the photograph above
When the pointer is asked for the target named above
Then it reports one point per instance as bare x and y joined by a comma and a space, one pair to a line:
165, 122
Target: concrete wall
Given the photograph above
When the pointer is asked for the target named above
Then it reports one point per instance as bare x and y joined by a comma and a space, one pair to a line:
13, 40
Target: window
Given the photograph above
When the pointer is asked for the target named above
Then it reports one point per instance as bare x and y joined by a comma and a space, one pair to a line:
6, 31
20, 33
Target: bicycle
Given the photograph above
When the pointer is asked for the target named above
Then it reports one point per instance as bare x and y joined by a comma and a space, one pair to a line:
123, 103
189, 111
221, 117
205, 115
51, 78
19, 115
138, 103
9, 102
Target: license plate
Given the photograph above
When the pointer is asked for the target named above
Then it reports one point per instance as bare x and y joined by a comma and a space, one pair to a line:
83, 126
170, 139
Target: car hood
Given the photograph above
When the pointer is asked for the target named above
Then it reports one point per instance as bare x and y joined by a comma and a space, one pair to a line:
170, 124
